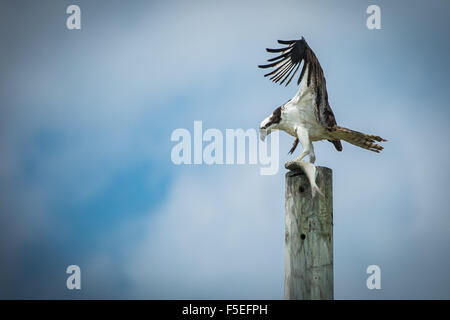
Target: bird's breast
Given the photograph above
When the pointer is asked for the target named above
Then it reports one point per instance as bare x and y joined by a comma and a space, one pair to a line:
300, 113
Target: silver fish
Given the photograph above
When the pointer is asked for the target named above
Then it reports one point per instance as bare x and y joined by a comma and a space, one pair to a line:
311, 172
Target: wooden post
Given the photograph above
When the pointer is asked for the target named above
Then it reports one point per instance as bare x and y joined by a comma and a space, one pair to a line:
308, 254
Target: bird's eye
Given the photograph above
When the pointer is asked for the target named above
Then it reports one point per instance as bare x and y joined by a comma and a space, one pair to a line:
267, 125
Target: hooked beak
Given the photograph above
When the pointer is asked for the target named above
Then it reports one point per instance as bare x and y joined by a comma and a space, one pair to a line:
262, 134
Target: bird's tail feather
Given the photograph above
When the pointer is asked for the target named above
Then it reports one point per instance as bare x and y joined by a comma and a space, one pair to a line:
359, 139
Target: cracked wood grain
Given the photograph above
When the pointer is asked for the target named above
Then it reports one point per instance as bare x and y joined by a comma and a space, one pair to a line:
308, 256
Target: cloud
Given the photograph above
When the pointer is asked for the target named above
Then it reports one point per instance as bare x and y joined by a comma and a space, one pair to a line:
223, 227
81, 109
212, 239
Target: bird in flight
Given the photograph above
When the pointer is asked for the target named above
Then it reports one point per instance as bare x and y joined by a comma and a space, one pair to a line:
307, 116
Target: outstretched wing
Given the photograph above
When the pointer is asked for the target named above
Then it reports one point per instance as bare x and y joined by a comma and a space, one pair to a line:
288, 62
286, 65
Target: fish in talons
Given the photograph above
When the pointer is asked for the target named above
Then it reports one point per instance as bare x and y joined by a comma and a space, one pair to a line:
311, 172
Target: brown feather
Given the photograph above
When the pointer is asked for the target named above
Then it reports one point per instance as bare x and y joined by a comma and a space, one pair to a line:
365, 141
294, 146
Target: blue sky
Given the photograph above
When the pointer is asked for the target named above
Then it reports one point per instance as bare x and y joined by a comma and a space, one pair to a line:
85, 124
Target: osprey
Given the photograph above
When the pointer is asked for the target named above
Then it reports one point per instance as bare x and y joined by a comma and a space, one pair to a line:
307, 116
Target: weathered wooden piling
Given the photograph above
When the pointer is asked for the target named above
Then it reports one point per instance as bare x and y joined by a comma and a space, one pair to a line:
308, 255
